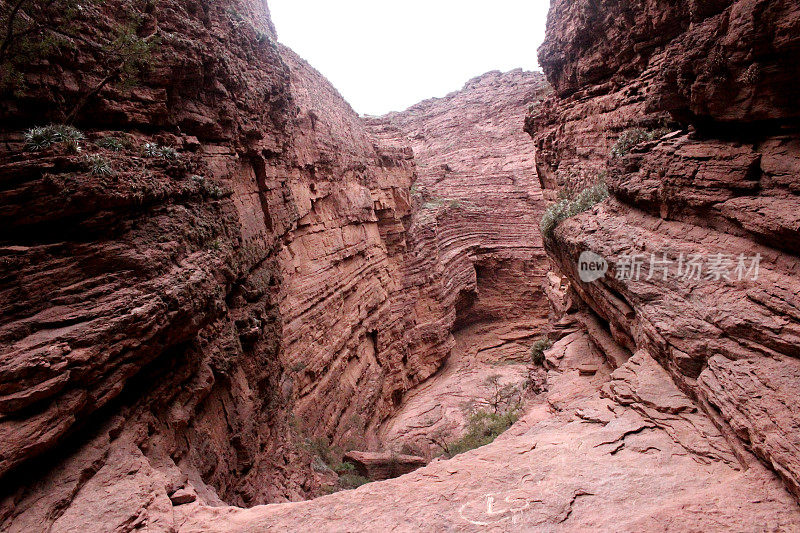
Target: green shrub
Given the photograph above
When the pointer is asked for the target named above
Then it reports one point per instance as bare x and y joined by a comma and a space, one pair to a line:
631, 137
573, 182
321, 447
352, 481
46, 136
154, 151
482, 428
538, 348
34, 31
570, 207
329, 457
209, 189
98, 165
115, 144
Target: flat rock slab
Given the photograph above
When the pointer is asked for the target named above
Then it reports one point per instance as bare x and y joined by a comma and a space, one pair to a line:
383, 465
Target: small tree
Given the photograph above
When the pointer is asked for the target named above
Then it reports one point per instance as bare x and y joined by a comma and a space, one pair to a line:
501, 397
34, 30
538, 348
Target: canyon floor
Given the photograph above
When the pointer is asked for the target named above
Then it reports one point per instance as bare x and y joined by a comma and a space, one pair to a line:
620, 450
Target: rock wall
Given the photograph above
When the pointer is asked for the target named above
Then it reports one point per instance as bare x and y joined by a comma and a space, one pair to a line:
477, 191
721, 187
177, 325
174, 327
477, 208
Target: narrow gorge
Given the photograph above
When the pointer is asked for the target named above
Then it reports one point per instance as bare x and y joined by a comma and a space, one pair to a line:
222, 289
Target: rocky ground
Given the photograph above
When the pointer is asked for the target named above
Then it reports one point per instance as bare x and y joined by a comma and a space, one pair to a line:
621, 450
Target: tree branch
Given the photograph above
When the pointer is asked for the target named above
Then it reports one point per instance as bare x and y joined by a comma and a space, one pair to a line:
10, 29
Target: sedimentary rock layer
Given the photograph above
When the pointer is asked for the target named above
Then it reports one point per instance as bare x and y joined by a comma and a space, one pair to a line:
622, 450
174, 327
723, 186
477, 206
179, 323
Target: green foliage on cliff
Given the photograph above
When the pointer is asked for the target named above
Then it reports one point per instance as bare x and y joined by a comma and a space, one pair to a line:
567, 208
629, 138
35, 33
154, 151
538, 348
31, 31
482, 428
98, 165
46, 136
113, 144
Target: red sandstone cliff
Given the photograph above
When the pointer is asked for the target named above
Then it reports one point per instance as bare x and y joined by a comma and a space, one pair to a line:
721, 75
477, 209
181, 321
170, 330
173, 328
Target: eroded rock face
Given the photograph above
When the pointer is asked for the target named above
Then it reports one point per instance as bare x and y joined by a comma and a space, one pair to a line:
146, 294
478, 205
724, 183
173, 329
672, 470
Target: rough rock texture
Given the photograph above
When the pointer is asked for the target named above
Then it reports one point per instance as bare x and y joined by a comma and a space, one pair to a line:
478, 203
171, 331
383, 465
137, 313
622, 450
722, 73
176, 326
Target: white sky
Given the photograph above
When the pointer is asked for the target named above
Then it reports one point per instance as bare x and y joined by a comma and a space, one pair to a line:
387, 55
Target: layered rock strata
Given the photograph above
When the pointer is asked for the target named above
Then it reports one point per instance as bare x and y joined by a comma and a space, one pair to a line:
672, 470
722, 189
478, 203
178, 323
232, 273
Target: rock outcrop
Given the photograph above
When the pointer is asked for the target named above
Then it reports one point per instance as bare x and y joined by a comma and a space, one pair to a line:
226, 265
623, 450
383, 465
232, 265
722, 189
478, 203
175, 321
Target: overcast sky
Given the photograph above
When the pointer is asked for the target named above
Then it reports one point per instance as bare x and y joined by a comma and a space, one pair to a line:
386, 55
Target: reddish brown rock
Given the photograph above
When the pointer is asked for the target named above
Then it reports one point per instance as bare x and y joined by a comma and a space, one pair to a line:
182, 497
725, 184
171, 331
377, 466
672, 470
192, 320
210, 301
478, 203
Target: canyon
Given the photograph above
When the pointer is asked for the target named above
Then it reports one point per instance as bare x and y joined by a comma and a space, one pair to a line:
261, 268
